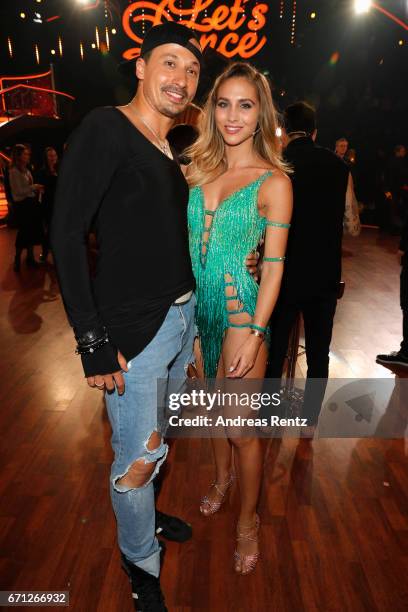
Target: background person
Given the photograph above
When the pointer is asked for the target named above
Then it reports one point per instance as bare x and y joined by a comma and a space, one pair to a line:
27, 216
181, 137
323, 199
396, 177
341, 148
48, 177
400, 357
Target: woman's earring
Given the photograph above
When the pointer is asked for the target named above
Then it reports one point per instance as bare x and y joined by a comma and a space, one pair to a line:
258, 129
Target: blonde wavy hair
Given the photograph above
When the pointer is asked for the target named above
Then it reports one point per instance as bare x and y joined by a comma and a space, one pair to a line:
207, 154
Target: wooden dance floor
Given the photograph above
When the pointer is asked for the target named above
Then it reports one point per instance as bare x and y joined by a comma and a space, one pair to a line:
334, 514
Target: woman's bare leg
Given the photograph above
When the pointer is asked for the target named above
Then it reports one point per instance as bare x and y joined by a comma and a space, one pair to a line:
222, 450
247, 451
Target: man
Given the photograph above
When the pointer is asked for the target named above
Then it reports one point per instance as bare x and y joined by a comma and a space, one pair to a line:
341, 147
134, 323
322, 201
400, 358
397, 188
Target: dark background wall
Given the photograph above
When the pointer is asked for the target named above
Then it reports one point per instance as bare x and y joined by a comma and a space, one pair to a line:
360, 92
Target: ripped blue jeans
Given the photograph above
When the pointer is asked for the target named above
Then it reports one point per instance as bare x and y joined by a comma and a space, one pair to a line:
134, 417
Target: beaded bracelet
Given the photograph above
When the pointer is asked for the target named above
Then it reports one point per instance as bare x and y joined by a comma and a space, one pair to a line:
275, 224
263, 330
274, 258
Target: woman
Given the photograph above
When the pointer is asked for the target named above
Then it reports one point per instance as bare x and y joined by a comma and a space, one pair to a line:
25, 205
240, 192
48, 177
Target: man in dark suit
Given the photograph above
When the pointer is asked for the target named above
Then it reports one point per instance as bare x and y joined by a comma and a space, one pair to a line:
322, 202
400, 357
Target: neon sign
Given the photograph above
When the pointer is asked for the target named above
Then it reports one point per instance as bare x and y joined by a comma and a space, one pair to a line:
219, 29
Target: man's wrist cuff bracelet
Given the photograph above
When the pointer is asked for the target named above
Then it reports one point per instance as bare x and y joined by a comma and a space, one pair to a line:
91, 340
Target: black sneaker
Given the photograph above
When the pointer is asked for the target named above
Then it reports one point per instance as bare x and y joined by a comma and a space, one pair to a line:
172, 528
394, 358
146, 591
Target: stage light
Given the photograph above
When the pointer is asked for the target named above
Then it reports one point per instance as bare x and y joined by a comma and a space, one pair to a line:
400, 42
362, 6
52, 51
278, 132
93, 46
113, 30
293, 30
22, 15
312, 15
88, 4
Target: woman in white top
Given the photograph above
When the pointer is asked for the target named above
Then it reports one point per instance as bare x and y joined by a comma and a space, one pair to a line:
25, 205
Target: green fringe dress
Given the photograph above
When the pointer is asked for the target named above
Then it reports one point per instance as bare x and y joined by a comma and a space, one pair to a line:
235, 231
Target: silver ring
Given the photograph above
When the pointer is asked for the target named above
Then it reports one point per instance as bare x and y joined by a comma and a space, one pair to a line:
100, 386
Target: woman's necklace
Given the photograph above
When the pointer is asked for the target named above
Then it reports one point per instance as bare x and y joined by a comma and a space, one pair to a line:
163, 144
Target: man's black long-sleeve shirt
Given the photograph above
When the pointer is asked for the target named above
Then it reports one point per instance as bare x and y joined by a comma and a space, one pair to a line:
313, 256
136, 197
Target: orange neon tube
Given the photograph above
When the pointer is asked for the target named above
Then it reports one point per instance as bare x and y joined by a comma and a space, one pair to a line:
91, 6
24, 78
4, 156
403, 24
53, 91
